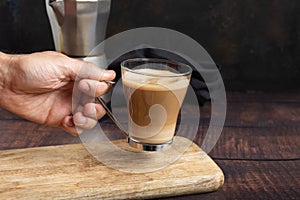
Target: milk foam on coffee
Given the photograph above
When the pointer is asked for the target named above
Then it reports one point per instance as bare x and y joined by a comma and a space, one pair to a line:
154, 102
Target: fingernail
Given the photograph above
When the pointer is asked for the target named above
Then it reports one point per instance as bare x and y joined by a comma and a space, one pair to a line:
84, 86
81, 121
91, 111
109, 73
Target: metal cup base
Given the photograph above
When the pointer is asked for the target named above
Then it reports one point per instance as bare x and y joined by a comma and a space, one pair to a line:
148, 147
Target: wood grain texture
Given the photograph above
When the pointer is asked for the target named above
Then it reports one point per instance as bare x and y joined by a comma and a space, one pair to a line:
258, 154
69, 172
255, 180
257, 114
253, 130
21, 133
257, 143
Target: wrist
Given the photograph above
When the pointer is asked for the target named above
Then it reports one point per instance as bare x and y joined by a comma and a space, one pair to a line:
4, 67
6, 64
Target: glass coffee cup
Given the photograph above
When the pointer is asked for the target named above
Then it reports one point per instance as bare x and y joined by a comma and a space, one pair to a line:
154, 90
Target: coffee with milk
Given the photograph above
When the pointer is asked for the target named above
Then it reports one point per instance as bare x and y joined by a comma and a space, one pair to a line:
154, 98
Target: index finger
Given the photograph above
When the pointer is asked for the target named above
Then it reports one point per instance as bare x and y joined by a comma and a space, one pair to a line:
88, 70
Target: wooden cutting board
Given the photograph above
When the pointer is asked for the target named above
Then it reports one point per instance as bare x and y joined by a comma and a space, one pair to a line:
70, 172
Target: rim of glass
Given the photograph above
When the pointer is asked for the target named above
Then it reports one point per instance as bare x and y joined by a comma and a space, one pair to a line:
156, 60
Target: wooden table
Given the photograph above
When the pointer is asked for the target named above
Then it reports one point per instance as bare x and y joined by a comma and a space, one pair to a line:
259, 149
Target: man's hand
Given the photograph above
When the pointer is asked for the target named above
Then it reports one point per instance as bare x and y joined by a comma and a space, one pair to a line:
39, 87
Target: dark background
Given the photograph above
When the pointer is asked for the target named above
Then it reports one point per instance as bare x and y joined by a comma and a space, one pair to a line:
257, 43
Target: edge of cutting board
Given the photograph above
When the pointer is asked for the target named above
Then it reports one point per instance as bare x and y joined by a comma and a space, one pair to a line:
70, 172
